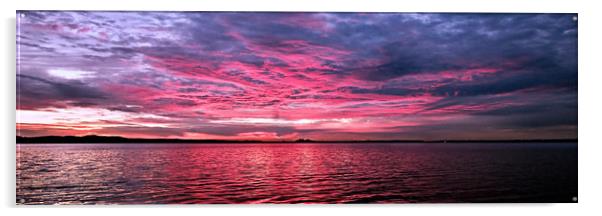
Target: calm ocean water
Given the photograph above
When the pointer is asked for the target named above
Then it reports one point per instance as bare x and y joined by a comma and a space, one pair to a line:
296, 173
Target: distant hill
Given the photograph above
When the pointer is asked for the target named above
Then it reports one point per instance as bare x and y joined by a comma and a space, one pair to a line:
110, 139
118, 139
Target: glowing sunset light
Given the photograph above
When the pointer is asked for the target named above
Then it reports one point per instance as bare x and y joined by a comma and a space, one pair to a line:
275, 76
279, 121
70, 74
79, 118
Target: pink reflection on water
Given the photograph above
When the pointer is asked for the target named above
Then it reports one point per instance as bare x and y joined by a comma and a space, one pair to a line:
291, 173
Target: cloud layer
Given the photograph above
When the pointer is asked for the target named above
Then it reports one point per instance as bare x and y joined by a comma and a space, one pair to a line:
297, 75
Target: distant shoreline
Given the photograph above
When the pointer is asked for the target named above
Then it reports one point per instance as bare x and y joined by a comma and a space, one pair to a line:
116, 139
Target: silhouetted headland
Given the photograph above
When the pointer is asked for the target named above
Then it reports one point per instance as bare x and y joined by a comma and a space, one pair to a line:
118, 139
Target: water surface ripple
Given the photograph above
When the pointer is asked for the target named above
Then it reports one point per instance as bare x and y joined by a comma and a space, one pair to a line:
296, 173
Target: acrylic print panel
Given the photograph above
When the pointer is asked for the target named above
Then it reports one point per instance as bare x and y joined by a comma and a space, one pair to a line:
248, 107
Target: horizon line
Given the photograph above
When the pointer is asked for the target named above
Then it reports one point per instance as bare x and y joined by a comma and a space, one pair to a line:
120, 139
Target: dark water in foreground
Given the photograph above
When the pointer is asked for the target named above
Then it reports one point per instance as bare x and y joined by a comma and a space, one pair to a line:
296, 173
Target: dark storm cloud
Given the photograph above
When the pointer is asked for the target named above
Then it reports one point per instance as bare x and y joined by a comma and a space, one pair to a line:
546, 112
35, 93
456, 41
496, 85
122, 108
55, 90
176, 101
383, 91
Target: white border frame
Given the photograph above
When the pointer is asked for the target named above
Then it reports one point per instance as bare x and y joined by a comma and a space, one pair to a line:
589, 88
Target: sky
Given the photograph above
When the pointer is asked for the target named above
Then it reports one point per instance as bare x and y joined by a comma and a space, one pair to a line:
286, 76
